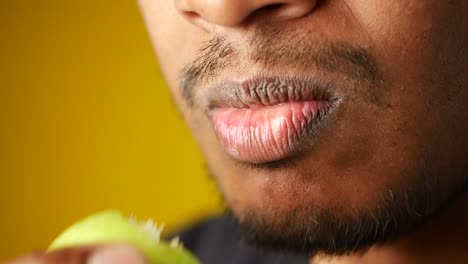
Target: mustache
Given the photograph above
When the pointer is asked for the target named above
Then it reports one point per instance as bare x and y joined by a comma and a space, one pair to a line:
270, 49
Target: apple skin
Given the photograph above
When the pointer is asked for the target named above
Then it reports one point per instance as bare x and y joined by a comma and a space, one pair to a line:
111, 226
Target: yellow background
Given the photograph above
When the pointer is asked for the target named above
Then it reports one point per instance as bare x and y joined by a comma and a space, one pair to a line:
87, 124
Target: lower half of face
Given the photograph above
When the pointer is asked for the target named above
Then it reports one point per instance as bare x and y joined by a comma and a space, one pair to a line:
370, 174
318, 156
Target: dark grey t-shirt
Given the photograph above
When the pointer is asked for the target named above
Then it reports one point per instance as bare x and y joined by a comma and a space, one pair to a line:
217, 241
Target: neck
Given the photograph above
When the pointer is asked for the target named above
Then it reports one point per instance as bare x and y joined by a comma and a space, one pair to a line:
443, 240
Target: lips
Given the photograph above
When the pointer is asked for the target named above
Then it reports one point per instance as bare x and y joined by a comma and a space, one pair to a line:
268, 119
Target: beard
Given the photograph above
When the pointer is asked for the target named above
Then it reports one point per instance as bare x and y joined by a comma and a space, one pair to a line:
337, 231
313, 228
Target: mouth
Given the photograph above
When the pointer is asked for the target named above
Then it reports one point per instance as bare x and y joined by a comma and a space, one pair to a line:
269, 119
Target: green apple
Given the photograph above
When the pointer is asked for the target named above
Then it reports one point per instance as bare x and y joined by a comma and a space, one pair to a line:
112, 226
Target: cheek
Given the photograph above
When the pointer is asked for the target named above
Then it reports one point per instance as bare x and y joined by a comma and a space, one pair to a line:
174, 39
401, 34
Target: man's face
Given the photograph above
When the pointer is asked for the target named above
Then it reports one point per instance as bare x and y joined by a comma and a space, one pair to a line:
328, 125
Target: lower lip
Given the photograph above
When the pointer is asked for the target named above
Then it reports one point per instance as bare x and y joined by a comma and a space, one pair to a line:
268, 133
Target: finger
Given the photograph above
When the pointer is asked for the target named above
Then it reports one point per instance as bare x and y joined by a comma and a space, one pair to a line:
109, 254
33, 258
119, 254
75, 255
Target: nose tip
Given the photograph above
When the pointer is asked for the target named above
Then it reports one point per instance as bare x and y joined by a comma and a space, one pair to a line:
232, 13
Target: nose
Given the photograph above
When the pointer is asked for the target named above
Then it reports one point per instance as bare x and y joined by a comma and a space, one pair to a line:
233, 13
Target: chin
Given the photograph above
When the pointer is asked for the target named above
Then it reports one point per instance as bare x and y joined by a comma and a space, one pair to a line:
301, 216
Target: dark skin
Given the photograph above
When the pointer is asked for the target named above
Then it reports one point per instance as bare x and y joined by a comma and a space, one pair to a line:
399, 129
443, 240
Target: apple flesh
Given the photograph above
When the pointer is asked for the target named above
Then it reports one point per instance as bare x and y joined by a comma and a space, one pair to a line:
112, 226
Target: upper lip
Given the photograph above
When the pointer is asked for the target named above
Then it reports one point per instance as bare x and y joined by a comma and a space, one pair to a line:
267, 91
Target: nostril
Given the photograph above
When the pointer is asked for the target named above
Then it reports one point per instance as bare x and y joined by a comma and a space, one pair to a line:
236, 13
274, 7
266, 11
282, 11
191, 14
270, 8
